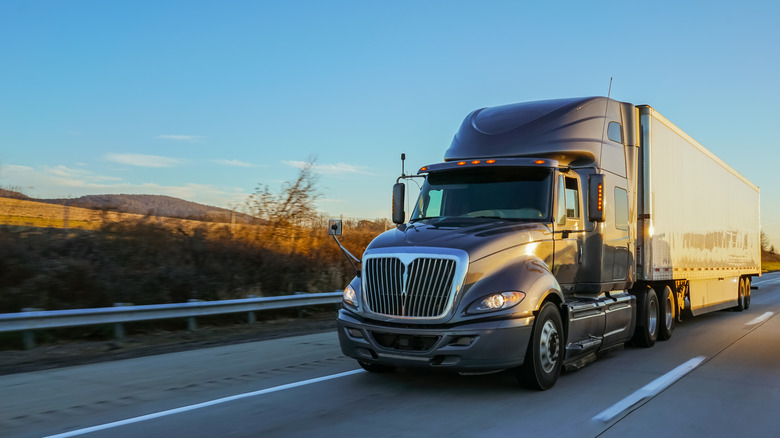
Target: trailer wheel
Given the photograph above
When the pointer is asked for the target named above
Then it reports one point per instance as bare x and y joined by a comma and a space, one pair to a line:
646, 331
747, 292
544, 357
668, 314
741, 296
376, 368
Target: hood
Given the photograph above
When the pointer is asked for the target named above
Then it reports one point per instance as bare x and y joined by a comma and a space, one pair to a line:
479, 240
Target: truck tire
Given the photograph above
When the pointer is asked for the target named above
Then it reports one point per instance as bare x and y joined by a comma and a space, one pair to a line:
544, 356
668, 313
740, 296
376, 368
747, 292
646, 332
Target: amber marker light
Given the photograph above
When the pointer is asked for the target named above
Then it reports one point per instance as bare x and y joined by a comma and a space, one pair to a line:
600, 204
475, 162
461, 163
490, 161
539, 162
423, 169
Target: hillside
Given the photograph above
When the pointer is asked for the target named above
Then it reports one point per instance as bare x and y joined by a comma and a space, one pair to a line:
144, 205
151, 205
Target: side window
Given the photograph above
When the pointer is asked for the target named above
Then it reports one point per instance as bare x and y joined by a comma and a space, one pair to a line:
572, 199
560, 215
621, 209
568, 200
431, 206
614, 132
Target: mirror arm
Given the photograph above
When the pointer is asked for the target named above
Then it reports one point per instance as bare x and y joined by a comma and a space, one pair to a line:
348, 255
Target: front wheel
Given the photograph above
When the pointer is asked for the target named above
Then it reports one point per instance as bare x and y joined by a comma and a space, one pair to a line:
544, 356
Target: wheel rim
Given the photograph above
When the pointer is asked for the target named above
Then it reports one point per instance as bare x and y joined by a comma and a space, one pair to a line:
652, 317
668, 314
549, 345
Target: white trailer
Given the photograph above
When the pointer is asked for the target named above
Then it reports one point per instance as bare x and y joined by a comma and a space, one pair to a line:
699, 221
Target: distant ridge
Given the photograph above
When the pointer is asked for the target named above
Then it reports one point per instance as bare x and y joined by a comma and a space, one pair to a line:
150, 205
4, 193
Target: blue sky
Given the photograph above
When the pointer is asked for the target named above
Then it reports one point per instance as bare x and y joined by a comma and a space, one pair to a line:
204, 100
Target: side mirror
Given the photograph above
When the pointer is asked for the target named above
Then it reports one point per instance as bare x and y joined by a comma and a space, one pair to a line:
399, 215
334, 227
596, 198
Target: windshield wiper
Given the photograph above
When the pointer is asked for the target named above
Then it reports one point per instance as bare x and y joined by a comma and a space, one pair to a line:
508, 219
425, 218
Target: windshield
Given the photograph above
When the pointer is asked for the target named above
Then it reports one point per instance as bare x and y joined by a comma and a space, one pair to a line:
505, 193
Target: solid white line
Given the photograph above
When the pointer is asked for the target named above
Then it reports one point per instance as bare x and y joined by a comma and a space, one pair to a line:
650, 390
201, 405
760, 319
764, 283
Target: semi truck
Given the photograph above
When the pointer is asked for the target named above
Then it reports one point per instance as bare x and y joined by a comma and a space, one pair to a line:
552, 232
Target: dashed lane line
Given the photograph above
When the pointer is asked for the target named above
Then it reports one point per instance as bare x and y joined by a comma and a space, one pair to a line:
650, 390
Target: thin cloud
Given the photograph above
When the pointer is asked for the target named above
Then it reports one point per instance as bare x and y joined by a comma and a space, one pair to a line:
235, 163
140, 160
331, 169
77, 175
174, 137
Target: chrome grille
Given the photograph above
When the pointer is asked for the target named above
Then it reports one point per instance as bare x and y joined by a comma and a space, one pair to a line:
420, 289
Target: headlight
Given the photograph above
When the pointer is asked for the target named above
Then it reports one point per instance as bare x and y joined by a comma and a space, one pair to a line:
350, 297
498, 301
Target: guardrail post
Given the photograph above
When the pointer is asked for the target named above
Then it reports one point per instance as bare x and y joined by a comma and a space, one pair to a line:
28, 336
251, 318
119, 328
300, 310
28, 339
192, 323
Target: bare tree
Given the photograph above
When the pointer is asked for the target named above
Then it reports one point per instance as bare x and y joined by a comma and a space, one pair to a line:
765, 244
293, 205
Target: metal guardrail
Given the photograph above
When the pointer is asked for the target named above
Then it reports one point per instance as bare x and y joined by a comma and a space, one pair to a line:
26, 322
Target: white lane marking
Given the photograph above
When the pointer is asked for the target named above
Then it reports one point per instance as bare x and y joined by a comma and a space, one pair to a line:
201, 405
767, 282
760, 319
650, 390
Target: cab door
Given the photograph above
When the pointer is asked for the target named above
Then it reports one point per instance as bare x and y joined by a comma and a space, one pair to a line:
568, 227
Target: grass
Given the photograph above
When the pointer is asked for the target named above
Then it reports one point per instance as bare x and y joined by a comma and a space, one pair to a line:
770, 266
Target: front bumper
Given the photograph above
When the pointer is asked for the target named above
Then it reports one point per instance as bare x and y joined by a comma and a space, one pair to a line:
480, 346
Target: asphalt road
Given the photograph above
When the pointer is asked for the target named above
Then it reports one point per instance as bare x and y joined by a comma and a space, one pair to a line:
719, 375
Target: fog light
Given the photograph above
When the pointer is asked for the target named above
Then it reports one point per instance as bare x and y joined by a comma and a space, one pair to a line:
355, 333
463, 341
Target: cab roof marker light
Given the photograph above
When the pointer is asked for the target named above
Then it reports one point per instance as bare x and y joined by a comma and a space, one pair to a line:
461, 163
475, 162
490, 161
539, 162
423, 169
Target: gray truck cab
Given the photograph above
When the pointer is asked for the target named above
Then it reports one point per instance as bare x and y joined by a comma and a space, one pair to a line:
518, 254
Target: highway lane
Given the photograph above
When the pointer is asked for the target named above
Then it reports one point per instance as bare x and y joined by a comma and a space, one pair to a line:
731, 392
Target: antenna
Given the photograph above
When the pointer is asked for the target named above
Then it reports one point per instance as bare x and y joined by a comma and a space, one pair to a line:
606, 110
